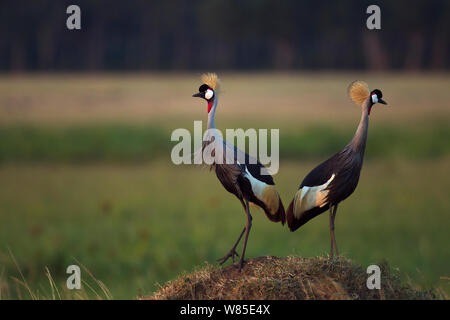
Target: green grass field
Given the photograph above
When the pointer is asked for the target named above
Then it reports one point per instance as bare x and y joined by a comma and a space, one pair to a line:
85, 175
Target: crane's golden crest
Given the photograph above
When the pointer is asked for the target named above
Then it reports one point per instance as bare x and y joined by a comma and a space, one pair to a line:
358, 91
212, 80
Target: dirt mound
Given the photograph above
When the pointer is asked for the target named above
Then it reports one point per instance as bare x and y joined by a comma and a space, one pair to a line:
287, 278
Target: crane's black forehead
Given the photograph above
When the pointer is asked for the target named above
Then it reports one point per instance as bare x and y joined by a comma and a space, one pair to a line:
203, 88
378, 93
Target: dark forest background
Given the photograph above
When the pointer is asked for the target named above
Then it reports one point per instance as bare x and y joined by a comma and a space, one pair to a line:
224, 34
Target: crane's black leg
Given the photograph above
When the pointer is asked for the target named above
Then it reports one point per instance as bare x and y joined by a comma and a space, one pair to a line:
331, 233
334, 239
232, 253
248, 226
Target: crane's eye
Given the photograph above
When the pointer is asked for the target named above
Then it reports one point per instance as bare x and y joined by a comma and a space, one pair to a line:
209, 94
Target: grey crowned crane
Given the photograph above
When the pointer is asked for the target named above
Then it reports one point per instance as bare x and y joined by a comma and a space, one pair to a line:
335, 179
239, 175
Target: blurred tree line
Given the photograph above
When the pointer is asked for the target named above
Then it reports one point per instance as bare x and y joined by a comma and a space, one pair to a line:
224, 34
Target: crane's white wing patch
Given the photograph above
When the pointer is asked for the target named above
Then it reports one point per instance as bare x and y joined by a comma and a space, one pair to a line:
257, 186
309, 197
264, 192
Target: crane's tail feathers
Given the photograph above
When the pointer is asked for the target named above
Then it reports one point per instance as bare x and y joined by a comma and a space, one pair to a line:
291, 220
358, 91
308, 202
295, 222
279, 215
273, 207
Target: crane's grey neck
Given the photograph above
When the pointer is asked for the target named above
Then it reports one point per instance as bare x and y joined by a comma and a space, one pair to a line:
212, 113
358, 143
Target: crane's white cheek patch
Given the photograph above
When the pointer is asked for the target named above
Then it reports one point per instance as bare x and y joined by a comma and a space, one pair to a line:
374, 98
310, 197
209, 94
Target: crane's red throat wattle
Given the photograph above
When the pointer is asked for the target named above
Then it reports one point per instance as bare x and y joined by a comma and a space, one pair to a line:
209, 106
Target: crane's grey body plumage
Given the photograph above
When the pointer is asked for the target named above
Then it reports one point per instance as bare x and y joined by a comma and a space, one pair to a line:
346, 165
234, 169
335, 179
234, 176
239, 173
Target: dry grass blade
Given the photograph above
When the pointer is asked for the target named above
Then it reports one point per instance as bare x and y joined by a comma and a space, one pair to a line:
53, 285
2, 274
24, 281
107, 294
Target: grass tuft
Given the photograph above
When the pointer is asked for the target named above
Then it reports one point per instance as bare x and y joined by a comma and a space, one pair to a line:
289, 278
54, 294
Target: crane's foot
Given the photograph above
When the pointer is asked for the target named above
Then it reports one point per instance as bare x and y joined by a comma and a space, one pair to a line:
333, 258
334, 254
241, 264
231, 254
332, 262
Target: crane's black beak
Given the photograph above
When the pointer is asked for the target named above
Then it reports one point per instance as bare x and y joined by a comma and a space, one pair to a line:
382, 101
198, 95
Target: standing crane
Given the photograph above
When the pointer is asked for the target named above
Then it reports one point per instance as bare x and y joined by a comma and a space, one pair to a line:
241, 178
335, 179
